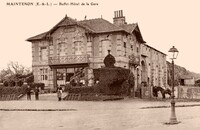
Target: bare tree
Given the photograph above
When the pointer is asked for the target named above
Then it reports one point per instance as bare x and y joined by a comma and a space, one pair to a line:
14, 73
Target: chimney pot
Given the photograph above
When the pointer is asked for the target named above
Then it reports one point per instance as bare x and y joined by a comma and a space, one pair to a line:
117, 14
119, 19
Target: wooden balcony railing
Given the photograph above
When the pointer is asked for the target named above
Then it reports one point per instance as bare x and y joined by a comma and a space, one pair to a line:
70, 59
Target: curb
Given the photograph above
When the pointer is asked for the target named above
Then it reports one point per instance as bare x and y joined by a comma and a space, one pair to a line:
193, 105
38, 109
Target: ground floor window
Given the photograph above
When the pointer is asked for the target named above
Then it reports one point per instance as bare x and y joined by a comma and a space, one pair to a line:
43, 74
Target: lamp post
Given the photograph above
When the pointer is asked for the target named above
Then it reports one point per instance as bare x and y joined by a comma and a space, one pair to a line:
173, 55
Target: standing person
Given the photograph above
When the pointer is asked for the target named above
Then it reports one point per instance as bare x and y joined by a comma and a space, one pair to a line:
28, 92
36, 93
131, 82
59, 93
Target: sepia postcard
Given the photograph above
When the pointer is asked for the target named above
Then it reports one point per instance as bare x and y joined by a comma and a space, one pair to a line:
99, 65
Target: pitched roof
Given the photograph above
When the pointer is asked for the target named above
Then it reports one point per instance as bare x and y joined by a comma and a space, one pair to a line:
129, 27
133, 28
37, 37
98, 25
66, 21
155, 49
186, 77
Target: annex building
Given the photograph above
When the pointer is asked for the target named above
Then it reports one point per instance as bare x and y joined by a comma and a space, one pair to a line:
72, 49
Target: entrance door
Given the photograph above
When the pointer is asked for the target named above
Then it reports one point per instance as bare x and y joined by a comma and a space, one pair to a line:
75, 74
61, 76
69, 74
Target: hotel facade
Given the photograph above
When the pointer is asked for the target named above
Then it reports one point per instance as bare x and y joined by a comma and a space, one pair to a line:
74, 48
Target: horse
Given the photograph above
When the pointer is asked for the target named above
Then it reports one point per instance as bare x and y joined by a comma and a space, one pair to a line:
162, 90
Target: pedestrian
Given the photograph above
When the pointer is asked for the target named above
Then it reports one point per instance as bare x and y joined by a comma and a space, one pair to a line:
36, 93
28, 92
59, 93
131, 82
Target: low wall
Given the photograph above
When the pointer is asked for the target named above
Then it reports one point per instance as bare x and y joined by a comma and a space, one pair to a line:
146, 92
188, 92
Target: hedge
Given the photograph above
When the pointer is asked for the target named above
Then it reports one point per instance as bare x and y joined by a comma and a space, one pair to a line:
12, 90
111, 80
80, 90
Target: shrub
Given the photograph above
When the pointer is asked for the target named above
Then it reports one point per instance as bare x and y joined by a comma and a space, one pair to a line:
81, 90
12, 90
111, 79
5, 83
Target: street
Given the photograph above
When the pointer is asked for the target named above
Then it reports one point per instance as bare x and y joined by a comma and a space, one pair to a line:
88, 115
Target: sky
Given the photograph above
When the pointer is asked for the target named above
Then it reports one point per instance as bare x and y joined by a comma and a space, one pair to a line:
163, 24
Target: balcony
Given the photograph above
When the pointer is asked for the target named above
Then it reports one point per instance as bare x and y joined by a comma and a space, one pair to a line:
70, 59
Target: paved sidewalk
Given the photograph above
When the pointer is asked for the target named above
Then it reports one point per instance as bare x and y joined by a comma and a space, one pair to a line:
101, 115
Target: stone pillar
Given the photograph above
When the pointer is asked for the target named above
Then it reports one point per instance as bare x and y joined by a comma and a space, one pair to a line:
119, 48
54, 77
89, 48
100, 48
90, 77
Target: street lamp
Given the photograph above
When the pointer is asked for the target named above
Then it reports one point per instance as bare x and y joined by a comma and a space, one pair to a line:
173, 55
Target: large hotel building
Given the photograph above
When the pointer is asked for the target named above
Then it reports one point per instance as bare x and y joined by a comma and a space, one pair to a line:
74, 48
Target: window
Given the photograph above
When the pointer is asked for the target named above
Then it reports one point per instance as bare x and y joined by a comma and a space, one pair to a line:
124, 48
78, 48
124, 44
61, 49
43, 51
131, 47
44, 74
137, 49
106, 45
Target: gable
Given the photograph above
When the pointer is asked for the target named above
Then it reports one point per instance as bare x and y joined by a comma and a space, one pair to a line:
74, 33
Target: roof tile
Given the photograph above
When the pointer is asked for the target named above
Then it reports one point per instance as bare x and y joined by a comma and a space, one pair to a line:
100, 25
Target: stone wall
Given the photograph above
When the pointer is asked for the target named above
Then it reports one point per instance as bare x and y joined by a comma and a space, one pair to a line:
188, 92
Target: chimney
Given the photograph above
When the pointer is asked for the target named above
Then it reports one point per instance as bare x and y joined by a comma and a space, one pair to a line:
119, 19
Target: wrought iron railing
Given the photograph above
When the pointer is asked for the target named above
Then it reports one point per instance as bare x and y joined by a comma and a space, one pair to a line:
69, 59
